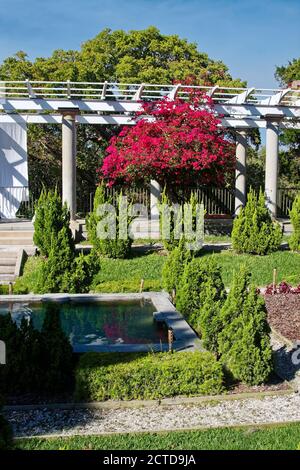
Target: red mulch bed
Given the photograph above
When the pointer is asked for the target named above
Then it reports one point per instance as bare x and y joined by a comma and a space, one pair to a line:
284, 314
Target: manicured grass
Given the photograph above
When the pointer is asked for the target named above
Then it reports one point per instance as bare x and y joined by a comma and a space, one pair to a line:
227, 238
261, 267
217, 239
124, 275
285, 437
25, 283
117, 275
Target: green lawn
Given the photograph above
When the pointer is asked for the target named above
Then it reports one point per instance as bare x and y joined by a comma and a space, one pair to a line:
285, 437
117, 275
125, 275
261, 267
227, 238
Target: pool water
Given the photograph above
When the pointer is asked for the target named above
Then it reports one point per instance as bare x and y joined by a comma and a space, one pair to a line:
96, 323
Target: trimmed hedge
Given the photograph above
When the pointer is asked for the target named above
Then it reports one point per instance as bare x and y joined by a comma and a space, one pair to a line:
137, 376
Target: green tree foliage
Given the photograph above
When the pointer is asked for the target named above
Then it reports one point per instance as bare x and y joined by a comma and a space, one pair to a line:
111, 245
244, 342
174, 266
200, 278
290, 138
253, 229
286, 74
50, 218
128, 57
294, 239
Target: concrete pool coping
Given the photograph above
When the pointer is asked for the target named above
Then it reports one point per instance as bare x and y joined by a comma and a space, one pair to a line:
185, 337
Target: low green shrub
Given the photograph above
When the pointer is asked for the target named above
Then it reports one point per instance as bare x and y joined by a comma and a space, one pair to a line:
104, 376
244, 342
294, 239
200, 277
253, 230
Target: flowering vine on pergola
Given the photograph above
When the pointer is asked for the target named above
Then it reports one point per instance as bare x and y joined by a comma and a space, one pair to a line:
178, 143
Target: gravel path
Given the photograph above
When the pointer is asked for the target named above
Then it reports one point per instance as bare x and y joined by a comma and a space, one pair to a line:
154, 418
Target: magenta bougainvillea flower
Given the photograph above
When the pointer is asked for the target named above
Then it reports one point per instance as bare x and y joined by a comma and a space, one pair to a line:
180, 142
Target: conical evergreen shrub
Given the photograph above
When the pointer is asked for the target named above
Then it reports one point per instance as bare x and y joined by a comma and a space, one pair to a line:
172, 220
50, 218
115, 247
54, 275
253, 230
174, 266
244, 342
294, 239
209, 322
200, 278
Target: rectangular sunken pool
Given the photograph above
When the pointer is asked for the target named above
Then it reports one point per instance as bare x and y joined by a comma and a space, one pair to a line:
91, 325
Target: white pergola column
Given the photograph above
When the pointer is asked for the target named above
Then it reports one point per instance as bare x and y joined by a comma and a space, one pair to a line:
240, 172
155, 194
69, 159
271, 170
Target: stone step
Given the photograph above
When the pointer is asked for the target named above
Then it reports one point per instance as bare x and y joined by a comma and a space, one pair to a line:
8, 254
13, 241
7, 269
16, 226
8, 261
16, 234
6, 278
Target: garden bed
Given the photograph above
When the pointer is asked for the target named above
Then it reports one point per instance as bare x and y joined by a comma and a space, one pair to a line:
284, 314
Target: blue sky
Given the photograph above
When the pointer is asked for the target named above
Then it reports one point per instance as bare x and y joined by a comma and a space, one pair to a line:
250, 36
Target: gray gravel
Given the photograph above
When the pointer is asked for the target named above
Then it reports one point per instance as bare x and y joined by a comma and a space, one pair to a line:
83, 421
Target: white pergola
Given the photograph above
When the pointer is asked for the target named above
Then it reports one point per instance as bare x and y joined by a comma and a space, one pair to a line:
68, 103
